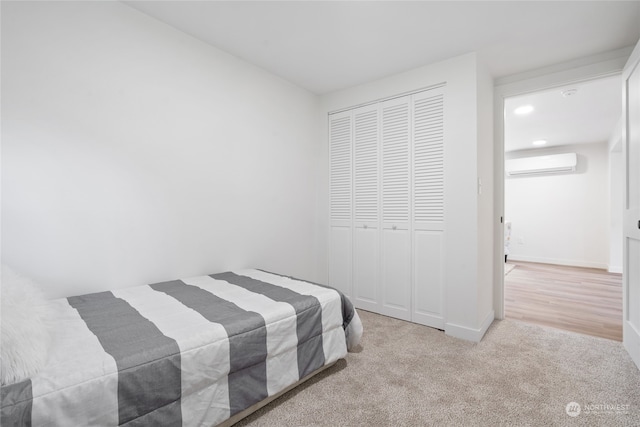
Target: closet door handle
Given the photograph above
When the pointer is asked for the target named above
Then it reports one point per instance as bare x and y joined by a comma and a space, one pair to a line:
364, 226
393, 227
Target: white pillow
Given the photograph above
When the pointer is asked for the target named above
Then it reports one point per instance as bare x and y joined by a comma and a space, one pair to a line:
24, 335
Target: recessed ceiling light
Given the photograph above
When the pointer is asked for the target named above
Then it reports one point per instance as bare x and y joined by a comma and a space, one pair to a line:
524, 109
569, 92
539, 142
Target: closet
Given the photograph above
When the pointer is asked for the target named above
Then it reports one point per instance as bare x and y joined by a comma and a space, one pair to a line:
387, 212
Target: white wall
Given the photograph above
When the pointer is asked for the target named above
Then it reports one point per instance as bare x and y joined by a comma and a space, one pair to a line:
461, 172
561, 218
616, 186
133, 153
616, 201
486, 216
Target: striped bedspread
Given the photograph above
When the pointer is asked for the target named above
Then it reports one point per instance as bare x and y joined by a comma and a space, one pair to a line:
187, 352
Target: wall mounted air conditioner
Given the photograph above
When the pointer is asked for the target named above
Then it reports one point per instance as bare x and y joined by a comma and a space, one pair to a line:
538, 165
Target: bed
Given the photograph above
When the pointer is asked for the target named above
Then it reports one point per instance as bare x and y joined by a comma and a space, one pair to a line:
199, 351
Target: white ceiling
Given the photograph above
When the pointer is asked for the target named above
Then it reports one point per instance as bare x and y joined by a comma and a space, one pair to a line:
589, 116
324, 46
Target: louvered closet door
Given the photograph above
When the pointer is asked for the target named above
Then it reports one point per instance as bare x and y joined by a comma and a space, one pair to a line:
366, 260
428, 208
340, 177
395, 188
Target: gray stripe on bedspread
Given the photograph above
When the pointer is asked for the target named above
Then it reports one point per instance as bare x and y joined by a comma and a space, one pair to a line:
17, 400
308, 316
247, 340
149, 377
347, 307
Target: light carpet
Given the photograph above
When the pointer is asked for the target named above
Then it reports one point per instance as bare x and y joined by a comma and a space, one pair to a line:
520, 374
508, 268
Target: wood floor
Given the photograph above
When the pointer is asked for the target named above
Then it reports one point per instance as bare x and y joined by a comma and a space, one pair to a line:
583, 300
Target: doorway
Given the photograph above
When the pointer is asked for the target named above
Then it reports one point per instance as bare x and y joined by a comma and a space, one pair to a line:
563, 219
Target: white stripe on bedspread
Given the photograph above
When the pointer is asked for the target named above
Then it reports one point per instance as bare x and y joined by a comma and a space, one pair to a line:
333, 337
65, 391
281, 322
205, 389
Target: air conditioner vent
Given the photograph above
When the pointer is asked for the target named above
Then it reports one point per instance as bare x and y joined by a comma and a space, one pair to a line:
554, 163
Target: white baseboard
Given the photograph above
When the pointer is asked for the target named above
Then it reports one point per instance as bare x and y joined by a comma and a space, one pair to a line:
470, 334
615, 269
631, 341
555, 261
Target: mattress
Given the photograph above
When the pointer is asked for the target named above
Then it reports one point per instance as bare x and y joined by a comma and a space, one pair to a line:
187, 352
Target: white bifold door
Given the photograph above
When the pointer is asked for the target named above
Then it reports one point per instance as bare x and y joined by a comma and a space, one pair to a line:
366, 227
428, 209
389, 257
340, 264
395, 171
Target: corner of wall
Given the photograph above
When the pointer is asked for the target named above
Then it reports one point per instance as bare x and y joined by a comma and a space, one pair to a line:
470, 334
322, 197
615, 269
485, 196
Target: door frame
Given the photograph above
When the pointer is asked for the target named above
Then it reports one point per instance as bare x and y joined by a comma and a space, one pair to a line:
573, 72
630, 334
